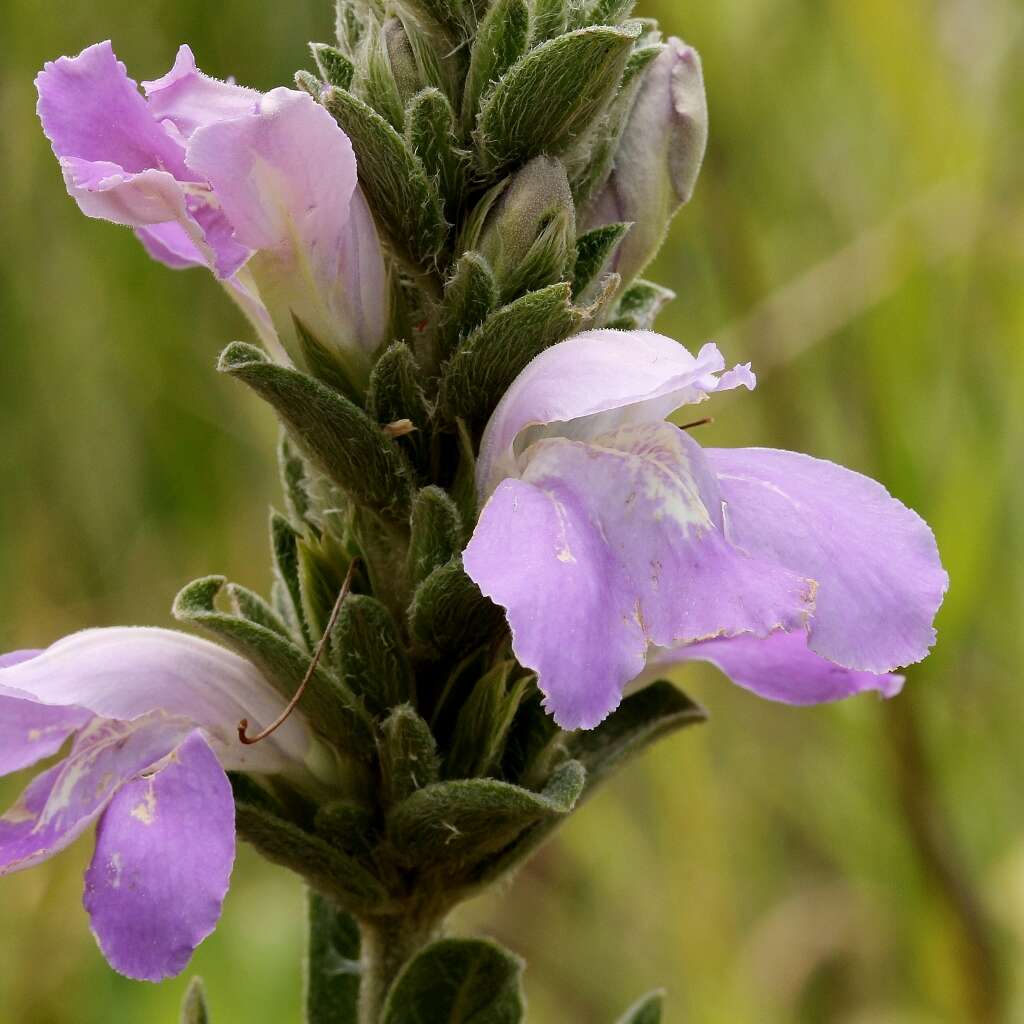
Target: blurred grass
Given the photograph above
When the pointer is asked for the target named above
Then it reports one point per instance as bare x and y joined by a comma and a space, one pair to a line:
858, 233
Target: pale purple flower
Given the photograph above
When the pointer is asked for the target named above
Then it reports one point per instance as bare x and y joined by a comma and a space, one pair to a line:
611, 538
658, 159
152, 716
260, 188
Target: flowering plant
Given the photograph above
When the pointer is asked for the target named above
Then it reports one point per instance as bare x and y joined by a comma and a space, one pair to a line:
495, 538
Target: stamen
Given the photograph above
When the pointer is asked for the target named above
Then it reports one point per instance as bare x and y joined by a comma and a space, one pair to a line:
698, 423
243, 725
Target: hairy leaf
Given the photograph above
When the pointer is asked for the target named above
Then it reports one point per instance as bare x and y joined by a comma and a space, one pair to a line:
332, 964
551, 96
458, 981
485, 364
465, 820
406, 203
333, 432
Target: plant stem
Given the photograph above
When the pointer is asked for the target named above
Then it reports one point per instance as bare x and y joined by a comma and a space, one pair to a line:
386, 946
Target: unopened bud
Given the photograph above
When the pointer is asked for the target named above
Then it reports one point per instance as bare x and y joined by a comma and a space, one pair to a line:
530, 235
658, 159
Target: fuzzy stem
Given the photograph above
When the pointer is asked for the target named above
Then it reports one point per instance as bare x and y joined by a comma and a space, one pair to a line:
387, 944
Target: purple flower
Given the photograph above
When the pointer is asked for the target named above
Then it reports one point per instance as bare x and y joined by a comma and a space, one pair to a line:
152, 715
610, 538
260, 188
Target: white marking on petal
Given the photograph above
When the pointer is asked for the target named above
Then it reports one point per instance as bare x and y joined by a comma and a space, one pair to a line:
145, 810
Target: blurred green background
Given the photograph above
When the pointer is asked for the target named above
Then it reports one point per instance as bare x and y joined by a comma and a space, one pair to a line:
858, 233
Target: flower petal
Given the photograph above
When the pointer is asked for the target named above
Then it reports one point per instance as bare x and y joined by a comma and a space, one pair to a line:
881, 581
127, 672
781, 667
28, 731
164, 852
285, 176
92, 111
120, 164
599, 550
189, 99
62, 802
601, 380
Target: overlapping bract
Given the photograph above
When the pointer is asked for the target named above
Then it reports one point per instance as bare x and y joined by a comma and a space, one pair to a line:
608, 532
260, 188
149, 713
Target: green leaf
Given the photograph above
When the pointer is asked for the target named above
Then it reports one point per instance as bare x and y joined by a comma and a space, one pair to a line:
322, 568
437, 533
347, 825
485, 364
349, 23
609, 12
324, 363
248, 605
330, 708
646, 1010
374, 80
396, 394
308, 83
640, 720
550, 19
473, 225
593, 252
408, 755
466, 820
334, 67
441, 63
458, 981
464, 485
534, 744
449, 614
406, 204
470, 294
500, 41
295, 479
484, 720
430, 134
333, 432
593, 157
370, 655
284, 543
640, 305
395, 390
552, 96
448, 16
193, 1006
327, 869
332, 964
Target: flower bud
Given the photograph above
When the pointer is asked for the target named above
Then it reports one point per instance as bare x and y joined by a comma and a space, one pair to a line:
402, 59
530, 235
658, 159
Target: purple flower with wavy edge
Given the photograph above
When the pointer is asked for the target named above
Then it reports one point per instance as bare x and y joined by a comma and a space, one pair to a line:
152, 715
260, 188
611, 538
